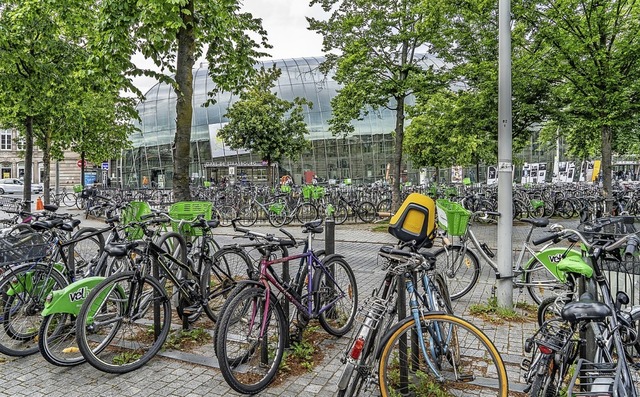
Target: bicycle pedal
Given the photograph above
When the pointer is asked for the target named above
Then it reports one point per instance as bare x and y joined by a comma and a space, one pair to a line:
190, 310
466, 378
525, 365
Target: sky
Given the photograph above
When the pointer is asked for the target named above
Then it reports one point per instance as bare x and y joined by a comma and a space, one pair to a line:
286, 26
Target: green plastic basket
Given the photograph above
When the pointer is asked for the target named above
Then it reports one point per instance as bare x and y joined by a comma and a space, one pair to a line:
77, 188
307, 192
189, 211
452, 217
318, 192
133, 212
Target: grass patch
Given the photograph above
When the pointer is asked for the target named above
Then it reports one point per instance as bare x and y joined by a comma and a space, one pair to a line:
186, 340
491, 312
302, 356
381, 227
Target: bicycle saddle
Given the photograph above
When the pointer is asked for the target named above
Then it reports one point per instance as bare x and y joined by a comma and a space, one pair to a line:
51, 207
119, 250
46, 225
585, 309
537, 222
313, 227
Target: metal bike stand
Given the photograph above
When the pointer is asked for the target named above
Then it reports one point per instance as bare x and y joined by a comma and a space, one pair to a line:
402, 342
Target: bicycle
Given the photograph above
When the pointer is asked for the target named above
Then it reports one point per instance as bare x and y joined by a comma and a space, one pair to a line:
125, 319
37, 264
461, 265
343, 208
379, 312
606, 372
436, 352
251, 334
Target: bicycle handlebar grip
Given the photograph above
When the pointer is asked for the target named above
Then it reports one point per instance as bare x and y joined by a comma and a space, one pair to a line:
544, 239
286, 233
632, 245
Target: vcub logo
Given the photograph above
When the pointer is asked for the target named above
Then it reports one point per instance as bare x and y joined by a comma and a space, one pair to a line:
555, 258
78, 295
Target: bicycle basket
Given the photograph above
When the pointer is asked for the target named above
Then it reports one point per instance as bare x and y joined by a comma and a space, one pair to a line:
610, 228
452, 217
77, 188
318, 192
189, 211
307, 192
29, 247
599, 378
133, 212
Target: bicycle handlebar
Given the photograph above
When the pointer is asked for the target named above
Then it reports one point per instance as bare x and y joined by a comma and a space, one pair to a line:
544, 239
632, 245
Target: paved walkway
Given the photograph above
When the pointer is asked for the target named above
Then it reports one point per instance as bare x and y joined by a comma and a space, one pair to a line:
197, 375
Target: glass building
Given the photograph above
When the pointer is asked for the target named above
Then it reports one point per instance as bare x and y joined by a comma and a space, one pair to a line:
363, 156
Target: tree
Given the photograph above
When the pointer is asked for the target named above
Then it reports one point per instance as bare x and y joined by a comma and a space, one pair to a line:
378, 51
590, 51
459, 125
267, 125
174, 34
46, 84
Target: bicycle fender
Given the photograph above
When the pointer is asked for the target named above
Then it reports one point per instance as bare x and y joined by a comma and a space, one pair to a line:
332, 256
70, 298
550, 258
392, 330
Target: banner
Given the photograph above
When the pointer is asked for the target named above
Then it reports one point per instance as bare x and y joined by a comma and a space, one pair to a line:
492, 175
565, 172
456, 174
534, 172
218, 147
596, 170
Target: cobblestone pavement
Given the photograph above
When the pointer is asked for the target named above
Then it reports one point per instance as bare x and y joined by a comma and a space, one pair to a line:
178, 374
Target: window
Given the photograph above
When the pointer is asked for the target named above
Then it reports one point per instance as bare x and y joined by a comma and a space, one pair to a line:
5, 139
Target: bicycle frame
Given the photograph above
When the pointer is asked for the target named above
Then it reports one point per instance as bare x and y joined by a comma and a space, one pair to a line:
268, 278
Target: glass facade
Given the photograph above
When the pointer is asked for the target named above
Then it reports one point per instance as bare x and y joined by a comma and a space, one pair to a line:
362, 156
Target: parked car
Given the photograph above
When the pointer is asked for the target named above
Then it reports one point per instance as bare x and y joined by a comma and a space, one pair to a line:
14, 185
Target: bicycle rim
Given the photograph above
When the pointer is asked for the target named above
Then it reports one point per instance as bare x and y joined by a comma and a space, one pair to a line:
57, 340
116, 338
460, 268
22, 296
467, 361
249, 361
220, 276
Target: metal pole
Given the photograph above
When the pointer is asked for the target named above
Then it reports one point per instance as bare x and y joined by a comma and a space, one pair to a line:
330, 237
505, 164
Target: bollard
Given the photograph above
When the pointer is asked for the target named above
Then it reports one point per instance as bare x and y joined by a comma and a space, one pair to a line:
330, 237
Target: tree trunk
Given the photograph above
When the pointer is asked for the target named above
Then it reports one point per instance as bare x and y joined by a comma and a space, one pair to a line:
184, 105
46, 164
606, 166
28, 161
397, 155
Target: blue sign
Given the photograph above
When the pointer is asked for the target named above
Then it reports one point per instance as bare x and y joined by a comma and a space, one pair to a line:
105, 165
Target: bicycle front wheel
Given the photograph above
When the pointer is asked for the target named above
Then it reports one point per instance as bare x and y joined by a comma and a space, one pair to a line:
464, 358
460, 268
248, 358
123, 322
220, 275
337, 289
57, 340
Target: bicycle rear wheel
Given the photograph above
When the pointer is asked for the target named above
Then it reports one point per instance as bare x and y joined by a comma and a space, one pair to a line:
460, 268
464, 357
23, 291
248, 360
123, 322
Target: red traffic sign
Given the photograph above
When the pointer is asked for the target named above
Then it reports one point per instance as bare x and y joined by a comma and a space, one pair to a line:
79, 163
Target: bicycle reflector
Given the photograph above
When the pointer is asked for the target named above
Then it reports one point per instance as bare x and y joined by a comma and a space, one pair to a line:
356, 350
544, 349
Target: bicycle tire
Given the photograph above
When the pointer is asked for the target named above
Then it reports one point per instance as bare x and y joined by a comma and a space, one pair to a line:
86, 251
120, 341
306, 212
220, 275
340, 213
550, 308
226, 214
366, 211
539, 280
250, 364
57, 340
338, 320
69, 200
541, 378
247, 216
460, 268
20, 327
455, 360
